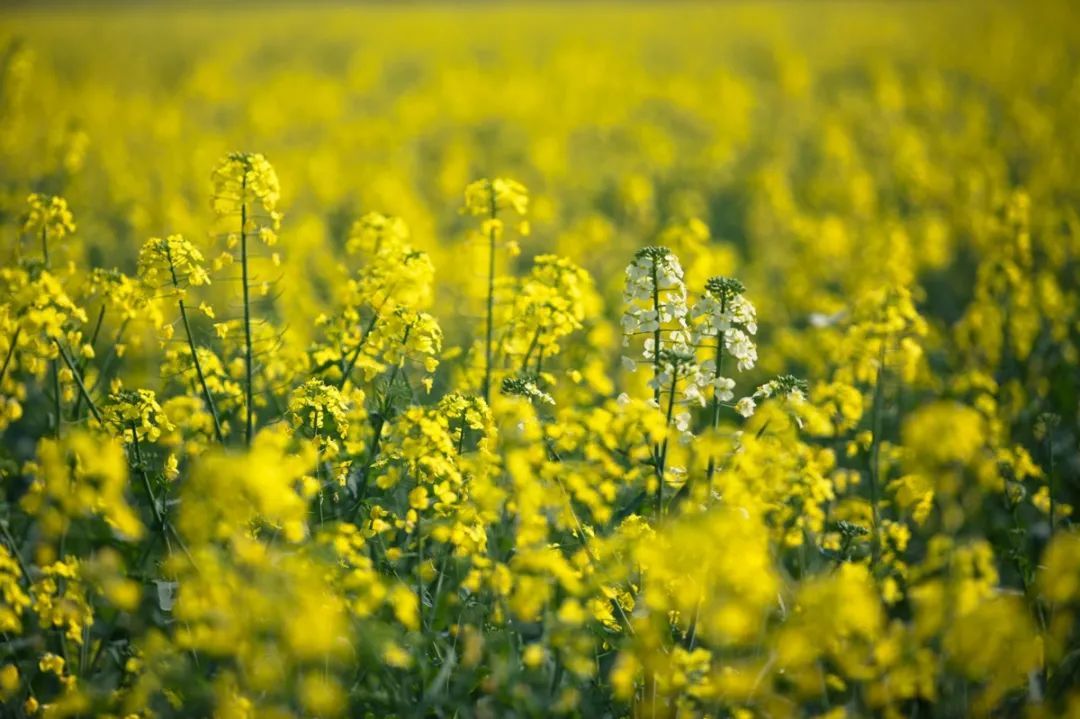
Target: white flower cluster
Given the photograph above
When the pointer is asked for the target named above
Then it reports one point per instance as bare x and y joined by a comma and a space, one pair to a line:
655, 301
722, 323
785, 387
723, 312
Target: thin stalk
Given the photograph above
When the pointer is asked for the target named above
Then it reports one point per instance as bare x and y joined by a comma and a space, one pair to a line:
249, 405
377, 427
461, 437
656, 334
528, 353
490, 301
420, 568
94, 335
657, 459
78, 381
111, 357
158, 515
55, 370
85, 362
1050, 480
356, 353
15, 551
194, 354
318, 464
202, 377
662, 457
10, 353
438, 588
56, 398
875, 457
715, 398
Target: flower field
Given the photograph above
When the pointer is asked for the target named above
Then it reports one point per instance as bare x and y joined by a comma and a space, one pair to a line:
517, 360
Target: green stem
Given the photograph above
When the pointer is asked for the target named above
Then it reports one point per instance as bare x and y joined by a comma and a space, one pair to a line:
10, 354
78, 381
356, 353
661, 464
56, 398
159, 517
420, 568
249, 405
875, 457
1050, 480
202, 377
656, 334
461, 436
111, 357
15, 551
657, 448
716, 400
377, 427
94, 335
194, 354
490, 301
528, 353
83, 364
55, 371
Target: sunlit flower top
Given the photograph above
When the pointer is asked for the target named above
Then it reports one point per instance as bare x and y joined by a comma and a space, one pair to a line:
655, 301
487, 197
723, 312
48, 215
243, 180
171, 261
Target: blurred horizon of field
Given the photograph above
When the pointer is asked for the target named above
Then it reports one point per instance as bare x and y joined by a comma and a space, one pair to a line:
623, 118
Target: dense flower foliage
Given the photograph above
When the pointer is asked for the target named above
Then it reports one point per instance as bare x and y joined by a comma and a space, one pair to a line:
606, 361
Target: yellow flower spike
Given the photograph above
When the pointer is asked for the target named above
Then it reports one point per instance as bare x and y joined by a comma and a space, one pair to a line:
245, 177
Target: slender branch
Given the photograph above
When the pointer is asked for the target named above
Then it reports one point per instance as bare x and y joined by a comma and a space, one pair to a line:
657, 448
528, 352
875, 457
356, 353
202, 377
158, 515
716, 399
10, 353
83, 364
656, 333
94, 334
191, 344
490, 301
6, 531
662, 455
106, 365
78, 381
56, 398
1050, 479
249, 406
377, 428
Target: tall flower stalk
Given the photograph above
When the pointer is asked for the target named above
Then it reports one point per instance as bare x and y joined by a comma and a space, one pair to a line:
183, 262
655, 306
50, 218
244, 184
486, 198
725, 323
